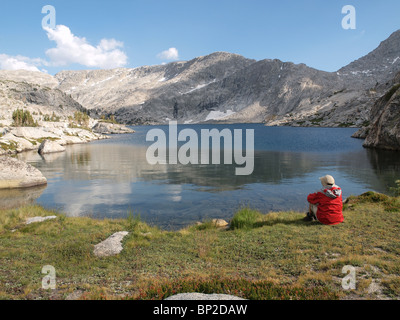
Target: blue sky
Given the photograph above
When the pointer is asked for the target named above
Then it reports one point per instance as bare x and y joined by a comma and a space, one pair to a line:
136, 32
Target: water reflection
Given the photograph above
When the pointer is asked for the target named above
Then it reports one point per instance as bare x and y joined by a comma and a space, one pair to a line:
20, 197
128, 164
386, 165
109, 178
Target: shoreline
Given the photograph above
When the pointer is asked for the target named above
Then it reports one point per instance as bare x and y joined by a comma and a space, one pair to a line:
15, 140
275, 256
122, 213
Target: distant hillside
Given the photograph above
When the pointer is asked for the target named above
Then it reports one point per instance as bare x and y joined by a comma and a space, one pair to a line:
39, 96
227, 87
378, 67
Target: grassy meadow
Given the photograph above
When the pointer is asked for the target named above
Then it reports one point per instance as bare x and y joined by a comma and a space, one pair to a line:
261, 256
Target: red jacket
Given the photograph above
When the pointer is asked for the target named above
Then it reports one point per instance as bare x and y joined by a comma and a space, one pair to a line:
330, 205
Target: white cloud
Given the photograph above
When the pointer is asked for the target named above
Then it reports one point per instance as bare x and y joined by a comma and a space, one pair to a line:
110, 44
20, 63
72, 49
170, 54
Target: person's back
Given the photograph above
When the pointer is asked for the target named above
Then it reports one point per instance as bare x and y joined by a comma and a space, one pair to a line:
327, 204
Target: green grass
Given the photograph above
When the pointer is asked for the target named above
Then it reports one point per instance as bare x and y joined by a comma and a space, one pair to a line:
390, 204
262, 256
246, 218
247, 289
12, 146
40, 140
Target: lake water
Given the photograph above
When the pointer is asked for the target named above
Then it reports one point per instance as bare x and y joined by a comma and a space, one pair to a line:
109, 178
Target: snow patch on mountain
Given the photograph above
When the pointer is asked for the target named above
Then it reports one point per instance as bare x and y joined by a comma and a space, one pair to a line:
218, 115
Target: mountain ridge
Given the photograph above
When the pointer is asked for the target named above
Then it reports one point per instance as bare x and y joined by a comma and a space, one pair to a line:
227, 87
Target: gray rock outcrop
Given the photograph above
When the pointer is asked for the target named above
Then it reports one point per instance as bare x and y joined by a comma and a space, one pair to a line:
21, 139
111, 128
55, 114
29, 91
39, 219
384, 131
361, 134
32, 77
48, 146
111, 246
17, 174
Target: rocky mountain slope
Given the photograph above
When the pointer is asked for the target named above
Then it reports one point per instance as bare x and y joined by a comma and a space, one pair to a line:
384, 131
150, 94
51, 109
376, 68
231, 88
220, 87
36, 92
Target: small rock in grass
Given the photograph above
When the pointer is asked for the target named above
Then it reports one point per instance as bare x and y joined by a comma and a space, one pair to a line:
219, 223
39, 219
111, 246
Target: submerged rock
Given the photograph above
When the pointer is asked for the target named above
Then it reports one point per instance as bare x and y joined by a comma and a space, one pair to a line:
18, 174
49, 146
111, 246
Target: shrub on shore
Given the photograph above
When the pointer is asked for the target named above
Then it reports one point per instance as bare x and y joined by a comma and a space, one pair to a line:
80, 120
23, 118
390, 204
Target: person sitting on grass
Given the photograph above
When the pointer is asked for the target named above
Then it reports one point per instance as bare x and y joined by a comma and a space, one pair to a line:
326, 205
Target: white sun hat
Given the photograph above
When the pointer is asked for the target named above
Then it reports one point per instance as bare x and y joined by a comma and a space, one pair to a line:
327, 180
